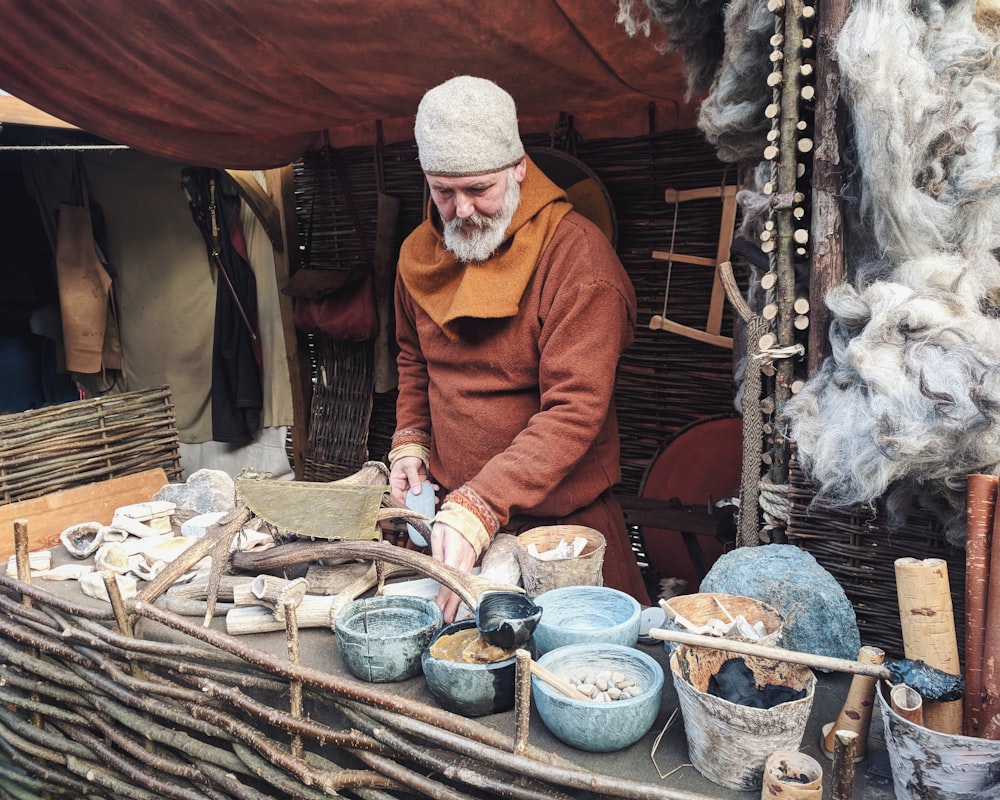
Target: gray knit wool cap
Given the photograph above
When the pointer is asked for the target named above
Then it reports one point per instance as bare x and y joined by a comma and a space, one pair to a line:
467, 126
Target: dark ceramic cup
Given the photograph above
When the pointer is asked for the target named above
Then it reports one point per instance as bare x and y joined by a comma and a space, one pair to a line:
472, 690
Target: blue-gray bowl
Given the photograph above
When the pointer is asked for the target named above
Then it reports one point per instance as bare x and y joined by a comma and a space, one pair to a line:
586, 615
381, 639
472, 690
599, 727
506, 619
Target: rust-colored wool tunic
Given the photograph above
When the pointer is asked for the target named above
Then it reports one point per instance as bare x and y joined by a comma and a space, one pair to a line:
519, 409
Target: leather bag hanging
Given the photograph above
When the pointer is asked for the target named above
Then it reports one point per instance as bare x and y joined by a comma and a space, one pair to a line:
334, 303
86, 302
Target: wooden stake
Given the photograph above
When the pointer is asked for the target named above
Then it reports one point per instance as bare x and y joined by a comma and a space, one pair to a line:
22, 557
294, 686
522, 701
928, 622
843, 765
991, 640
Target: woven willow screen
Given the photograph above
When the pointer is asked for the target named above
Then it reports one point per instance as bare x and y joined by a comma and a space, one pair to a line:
48, 449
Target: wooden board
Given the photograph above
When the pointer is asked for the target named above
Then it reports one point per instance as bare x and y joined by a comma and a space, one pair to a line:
50, 515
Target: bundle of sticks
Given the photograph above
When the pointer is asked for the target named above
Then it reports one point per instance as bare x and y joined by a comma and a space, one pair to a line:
982, 609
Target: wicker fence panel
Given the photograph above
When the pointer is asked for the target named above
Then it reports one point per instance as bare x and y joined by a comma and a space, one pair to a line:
58, 447
859, 548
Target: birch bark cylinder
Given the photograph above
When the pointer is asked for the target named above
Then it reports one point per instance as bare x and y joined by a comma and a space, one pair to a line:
856, 714
928, 622
980, 512
990, 696
907, 702
790, 775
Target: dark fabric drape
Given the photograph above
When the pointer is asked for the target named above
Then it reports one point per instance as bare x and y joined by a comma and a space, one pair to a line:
231, 83
237, 396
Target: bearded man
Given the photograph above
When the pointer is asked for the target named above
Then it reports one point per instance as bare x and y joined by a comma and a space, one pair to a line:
511, 313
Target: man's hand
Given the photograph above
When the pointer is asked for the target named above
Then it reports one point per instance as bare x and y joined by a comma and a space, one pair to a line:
407, 473
450, 547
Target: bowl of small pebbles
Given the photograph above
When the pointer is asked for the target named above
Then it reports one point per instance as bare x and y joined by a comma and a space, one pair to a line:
586, 615
625, 686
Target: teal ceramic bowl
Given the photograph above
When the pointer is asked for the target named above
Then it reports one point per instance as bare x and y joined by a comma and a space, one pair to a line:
586, 615
381, 639
599, 727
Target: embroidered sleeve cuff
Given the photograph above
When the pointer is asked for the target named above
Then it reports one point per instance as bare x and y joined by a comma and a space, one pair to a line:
411, 449
410, 436
466, 523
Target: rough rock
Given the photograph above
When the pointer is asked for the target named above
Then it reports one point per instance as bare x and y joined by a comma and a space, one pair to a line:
818, 616
204, 491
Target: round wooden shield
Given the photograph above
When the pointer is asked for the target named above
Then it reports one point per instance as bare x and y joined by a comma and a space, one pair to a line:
701, 464
582, 186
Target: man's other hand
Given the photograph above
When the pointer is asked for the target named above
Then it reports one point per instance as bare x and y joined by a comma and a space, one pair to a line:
450, 547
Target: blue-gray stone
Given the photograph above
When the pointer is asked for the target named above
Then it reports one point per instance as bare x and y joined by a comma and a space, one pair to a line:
204, 491
818, 616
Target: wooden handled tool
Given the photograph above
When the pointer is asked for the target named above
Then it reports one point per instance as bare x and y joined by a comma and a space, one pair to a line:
553, 680
932, 684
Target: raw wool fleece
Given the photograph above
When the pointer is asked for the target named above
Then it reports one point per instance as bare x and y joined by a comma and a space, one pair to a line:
732, 115
908, 403
693, 27
725, 48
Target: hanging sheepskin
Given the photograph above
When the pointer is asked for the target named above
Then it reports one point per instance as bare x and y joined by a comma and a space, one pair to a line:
693, 27
908, 403
725, 47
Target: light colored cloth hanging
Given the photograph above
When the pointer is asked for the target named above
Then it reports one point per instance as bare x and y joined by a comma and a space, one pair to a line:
84, 286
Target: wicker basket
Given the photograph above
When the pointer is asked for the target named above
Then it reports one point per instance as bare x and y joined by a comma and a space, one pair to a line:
540, 575
700, 609
341, 409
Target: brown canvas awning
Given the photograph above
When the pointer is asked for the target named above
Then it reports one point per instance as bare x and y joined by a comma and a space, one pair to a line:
254, 83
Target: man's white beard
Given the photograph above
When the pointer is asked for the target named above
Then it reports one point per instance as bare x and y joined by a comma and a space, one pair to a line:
480, 242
